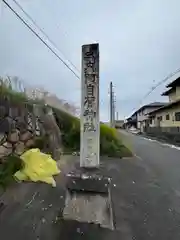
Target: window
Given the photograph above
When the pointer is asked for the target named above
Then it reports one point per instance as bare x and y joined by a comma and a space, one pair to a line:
167, 117
177, 116
160, 118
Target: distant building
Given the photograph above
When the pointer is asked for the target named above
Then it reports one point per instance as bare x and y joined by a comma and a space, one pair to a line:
168, 115
119, 123
131, 121
140, 117
143, 114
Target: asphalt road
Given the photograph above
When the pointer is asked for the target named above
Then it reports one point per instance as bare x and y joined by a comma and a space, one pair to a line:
145, 199
162, 159
158, 188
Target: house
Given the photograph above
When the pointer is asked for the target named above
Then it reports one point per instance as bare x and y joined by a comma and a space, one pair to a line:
174, 90
169, 114
140, 117
131, 121
142, 114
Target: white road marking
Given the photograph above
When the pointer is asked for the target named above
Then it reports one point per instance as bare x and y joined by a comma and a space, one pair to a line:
138, 157
163, 144
171, 146
151, 140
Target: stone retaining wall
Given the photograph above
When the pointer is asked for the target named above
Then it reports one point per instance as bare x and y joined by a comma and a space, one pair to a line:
21, 124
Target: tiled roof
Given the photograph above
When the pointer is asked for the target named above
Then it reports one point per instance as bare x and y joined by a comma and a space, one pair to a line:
174, 83
169, 105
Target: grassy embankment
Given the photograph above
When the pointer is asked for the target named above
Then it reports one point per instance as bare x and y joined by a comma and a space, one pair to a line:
110, 142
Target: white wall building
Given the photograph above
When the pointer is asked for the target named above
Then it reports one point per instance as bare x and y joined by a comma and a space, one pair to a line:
142, 113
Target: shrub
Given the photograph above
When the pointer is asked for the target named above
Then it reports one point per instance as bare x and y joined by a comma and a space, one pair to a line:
10, 165
110, 143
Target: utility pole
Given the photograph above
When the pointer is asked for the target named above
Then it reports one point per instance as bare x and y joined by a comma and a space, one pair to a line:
111, 104
117, 117
114, 109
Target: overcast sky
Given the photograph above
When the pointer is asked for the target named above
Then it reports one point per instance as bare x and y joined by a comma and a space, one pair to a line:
139, 46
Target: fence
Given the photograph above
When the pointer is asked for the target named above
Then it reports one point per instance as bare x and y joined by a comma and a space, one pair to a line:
168, 134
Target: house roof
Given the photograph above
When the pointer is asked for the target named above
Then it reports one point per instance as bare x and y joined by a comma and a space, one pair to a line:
169, 105
166, 93
130, 120
153, 104
174, 83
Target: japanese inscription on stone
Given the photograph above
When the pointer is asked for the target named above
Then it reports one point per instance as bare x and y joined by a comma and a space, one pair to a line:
90, 106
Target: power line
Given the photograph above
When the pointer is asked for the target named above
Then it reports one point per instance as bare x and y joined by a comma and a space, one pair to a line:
158, 84
44, 33
37, 35
59, 26
161, 82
